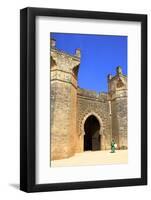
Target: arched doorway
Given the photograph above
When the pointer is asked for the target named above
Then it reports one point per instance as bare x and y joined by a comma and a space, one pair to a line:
92, 134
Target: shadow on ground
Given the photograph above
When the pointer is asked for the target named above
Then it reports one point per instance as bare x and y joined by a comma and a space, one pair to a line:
15, 185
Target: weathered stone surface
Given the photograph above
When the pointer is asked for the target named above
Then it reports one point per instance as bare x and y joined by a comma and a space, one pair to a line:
118, 98
71, 106
91, 103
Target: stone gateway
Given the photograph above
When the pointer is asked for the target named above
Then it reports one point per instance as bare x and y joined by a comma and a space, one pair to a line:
80, 119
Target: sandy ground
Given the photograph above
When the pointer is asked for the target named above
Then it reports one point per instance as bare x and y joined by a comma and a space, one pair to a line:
93, 158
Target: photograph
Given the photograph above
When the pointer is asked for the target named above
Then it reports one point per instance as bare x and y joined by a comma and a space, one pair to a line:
83, 102
88, 99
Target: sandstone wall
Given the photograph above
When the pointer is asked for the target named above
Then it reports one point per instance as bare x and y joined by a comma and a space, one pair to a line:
118, 98
63, 104
119, 121
91, 103
61, 135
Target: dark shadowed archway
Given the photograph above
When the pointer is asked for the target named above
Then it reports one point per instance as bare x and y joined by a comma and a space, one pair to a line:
92, 136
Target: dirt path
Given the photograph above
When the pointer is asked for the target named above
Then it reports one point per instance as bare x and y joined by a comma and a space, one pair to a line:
93, 158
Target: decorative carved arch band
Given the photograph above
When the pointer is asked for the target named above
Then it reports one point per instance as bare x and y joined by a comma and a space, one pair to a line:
97, 117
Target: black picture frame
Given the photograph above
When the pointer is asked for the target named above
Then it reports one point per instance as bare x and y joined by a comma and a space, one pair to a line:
28, 99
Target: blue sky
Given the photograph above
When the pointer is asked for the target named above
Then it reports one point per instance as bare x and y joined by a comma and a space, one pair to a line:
100, 55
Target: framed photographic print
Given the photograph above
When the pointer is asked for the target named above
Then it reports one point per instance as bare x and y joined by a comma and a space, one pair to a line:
83, 99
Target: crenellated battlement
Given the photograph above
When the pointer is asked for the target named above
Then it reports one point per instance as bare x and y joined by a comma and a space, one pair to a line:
60, 55
67, 55
102, 96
